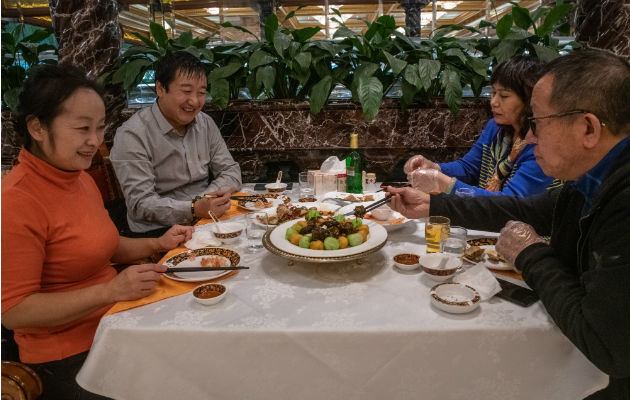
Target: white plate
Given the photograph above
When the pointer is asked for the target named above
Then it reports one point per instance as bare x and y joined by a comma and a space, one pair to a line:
250, 205
343, 195
279, 245
385, 223
501, 265
181, 261
319, 205
454, 298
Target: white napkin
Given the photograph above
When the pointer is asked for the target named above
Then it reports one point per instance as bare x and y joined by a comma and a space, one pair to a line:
482, 280
333, 165
202, 239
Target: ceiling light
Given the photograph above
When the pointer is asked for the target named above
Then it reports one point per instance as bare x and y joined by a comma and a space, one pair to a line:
212, 11
449, 5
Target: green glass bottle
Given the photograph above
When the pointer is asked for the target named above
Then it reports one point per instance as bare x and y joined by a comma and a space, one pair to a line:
354, 164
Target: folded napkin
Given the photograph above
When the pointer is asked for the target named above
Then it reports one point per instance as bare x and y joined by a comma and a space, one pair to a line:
165, 288
482, 280
202, 239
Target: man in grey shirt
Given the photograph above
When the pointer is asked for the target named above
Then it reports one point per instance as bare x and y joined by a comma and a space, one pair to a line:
169, 155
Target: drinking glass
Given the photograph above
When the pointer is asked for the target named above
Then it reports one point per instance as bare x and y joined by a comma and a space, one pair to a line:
465, 192
305, 189
455, 243
256, 226
435, 229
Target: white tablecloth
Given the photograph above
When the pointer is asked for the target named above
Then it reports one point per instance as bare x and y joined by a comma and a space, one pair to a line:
348, 331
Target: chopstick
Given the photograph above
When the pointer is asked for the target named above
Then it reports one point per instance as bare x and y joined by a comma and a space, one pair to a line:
245, 198
204, 269
374, 205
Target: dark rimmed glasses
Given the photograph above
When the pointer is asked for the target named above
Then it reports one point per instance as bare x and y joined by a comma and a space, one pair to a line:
532, 120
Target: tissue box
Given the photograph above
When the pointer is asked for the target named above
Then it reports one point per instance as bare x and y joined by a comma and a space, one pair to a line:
324, 183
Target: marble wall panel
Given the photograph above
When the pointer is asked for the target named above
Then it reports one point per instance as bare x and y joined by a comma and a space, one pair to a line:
604, 24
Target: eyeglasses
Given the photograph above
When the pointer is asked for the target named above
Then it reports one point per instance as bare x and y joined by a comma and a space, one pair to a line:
532, 120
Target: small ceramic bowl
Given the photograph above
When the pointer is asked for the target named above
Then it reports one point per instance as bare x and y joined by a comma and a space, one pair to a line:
454, 297
407, 261
431, 266
209, 293
228, 232
276, 187
382, 213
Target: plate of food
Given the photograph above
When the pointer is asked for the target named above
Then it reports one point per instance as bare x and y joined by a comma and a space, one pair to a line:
205, 257
264, 201
386, 217
354, 197
287, 212
482, 251
325, 239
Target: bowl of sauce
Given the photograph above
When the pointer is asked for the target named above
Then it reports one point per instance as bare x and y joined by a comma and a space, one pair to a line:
407, 261
209, 293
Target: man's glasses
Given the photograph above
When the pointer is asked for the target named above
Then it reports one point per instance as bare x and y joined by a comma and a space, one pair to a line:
532, 120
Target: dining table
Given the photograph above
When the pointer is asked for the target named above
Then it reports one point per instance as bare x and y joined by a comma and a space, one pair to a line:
354, 330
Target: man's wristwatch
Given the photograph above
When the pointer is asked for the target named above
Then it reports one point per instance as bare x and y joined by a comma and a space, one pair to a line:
192, 205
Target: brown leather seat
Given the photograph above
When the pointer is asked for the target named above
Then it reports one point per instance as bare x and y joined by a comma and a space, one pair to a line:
19, 382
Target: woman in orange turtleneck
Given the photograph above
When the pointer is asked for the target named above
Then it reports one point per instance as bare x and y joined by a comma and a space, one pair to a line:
58, 239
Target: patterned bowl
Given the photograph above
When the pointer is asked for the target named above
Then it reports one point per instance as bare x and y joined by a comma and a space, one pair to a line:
407, 261
431, 266
228, 232
209, 293
454, 298
276, 187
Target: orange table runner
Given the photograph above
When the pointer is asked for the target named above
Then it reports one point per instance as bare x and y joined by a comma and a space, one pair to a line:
169, 288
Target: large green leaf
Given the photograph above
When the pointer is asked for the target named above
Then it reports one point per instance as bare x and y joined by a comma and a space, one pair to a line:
281, 42
271, 26
555, 15
427, 71
266, 76
545, 54
365, 70
150, 43
304, 34
411, 75
456, 53
303, 60
396, 64
504, 25
505, 50
539, 12
370, 93
521, 17
135, 50
408, 93
452, 90
344, 32
319, 94
11, 97
259, 58
128, 73
240, 28
37, 36
225, 71
480, 65
159, 34
220, 92
207, 54
184, 40
517, 33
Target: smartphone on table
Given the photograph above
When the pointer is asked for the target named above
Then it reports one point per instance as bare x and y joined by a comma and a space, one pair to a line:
516, 294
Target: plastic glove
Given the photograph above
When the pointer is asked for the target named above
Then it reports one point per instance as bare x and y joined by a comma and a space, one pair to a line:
426, 180
419, 162
409, 202
514, 238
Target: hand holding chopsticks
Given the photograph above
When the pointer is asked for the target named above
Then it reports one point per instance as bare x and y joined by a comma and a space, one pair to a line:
372, 206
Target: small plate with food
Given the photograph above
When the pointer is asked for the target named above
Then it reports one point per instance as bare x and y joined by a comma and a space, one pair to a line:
325, 239
264, 201
287, 212
384, 216
354, 197
482, 251
208, 257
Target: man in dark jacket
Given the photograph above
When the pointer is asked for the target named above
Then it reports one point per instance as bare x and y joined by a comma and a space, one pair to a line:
580, 126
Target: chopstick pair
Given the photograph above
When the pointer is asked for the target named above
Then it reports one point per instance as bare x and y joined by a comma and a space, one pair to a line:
245, 198
204, 269
374, 205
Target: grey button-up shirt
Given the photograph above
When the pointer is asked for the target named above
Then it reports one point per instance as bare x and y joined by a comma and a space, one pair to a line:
160, 171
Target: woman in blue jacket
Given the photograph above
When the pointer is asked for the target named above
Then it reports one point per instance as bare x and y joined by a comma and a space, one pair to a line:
500, 162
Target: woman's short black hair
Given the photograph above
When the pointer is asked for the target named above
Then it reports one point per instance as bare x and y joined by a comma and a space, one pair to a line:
519, 74
43, 93
178, 62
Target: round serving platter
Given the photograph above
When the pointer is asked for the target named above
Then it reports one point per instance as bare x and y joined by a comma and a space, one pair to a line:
274, 241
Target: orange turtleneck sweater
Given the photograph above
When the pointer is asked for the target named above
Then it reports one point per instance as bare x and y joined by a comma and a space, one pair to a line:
56, 237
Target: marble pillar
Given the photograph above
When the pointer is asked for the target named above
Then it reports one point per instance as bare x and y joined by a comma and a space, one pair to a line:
412, 15
604, 24
90, 37
265, 8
